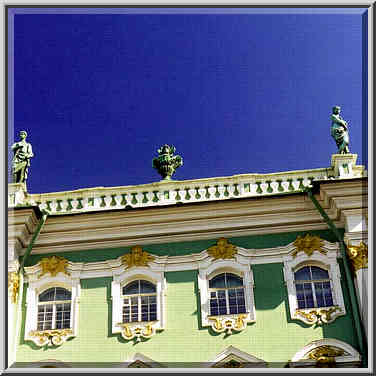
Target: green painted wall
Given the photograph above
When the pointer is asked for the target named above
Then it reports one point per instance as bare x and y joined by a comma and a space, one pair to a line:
273, 337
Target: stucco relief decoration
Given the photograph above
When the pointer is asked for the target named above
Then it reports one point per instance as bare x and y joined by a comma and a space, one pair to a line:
358, 255
228, 324
223, 250
318, 315
137, 331
13, 285
137, 257
308, 244
54, 337
53, 265
325, 354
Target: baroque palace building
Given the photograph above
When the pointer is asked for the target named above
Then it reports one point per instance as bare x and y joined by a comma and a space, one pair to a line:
250, 270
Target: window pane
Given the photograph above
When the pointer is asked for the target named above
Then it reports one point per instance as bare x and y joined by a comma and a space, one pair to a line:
308, 295
217, 282
131, 288
147, 287
62, 294
318, 273
233, 280
303, 274
319, 294
48, 295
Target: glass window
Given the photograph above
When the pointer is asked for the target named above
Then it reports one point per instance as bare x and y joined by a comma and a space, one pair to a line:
139, 301
54, 309
313, 288
226, 295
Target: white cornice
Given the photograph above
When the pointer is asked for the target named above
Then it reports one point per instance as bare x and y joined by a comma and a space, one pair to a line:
113, 267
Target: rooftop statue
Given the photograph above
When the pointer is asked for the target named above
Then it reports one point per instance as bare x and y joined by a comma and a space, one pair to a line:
21, 160
339, 131
166, 163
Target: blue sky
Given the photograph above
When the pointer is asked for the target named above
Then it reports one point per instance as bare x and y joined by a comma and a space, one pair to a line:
235, 91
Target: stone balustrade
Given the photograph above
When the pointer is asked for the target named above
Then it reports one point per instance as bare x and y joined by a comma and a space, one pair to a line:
171, 192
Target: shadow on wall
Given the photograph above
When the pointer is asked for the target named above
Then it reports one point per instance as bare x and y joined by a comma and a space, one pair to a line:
270, 290
343, 327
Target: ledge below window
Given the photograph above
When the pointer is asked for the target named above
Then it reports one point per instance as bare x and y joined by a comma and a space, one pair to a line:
322, 315
52, 337
137, 330
228, 323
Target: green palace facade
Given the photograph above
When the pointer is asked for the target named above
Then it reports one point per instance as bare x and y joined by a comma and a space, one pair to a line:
243, 271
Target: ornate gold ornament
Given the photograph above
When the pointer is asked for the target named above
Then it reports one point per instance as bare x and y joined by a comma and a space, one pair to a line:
308, 244
53, 265
51, 337
318, 315
228, 323
358, 255
137, 330
325, 354
223, 250
137, 257
13, 285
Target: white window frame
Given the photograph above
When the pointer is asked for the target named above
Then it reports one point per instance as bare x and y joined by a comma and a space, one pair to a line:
36, 287
54, 303
327, 262
128, 276
207, 271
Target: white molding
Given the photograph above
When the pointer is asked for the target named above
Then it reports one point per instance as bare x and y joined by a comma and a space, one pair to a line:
191, 261
351, 355
233, 353
327, 262
122, 277
143, 359
208, 269
38, 285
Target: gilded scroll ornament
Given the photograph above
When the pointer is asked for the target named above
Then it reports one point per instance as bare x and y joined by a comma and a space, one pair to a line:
325, 354
53, 265
222, 323
308, 244
13, 286
137, 331
51, 337
318, 315
137, 257
358, 255
223, 250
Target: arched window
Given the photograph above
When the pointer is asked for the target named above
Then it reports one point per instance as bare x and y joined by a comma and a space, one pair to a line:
54, 309
139, 301
226, 295
313, 288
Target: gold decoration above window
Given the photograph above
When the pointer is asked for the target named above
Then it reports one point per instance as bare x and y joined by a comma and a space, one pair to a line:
13, 286
137, 330
53, 265
51, 337
358, 255
137, 257
229, 323
223, 250
325, 354
308, 244
317, 315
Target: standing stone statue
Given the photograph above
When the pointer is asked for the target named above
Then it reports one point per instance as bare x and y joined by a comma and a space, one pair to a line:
339, 131
21, 160
166, 163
